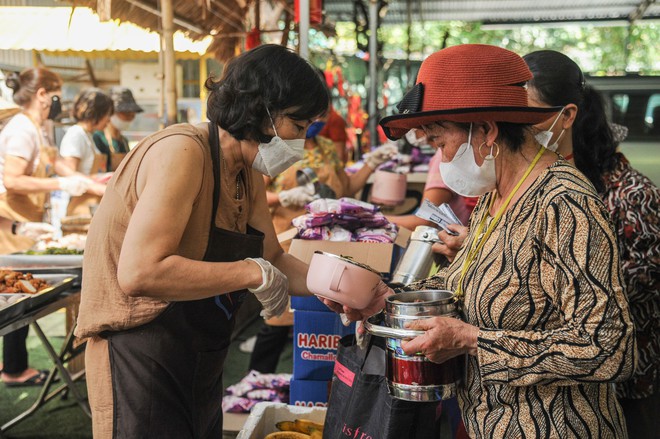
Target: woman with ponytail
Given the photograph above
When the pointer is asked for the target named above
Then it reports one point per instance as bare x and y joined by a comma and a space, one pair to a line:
581, 134
27, 163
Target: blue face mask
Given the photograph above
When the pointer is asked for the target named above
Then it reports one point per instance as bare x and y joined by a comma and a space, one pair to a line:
314, 129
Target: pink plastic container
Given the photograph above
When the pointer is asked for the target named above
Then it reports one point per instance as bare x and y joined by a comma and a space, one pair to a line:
389, 188
341, 279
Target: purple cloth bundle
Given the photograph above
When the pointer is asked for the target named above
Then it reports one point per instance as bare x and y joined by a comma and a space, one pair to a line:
312, 220
256, 387
315, 233
344, 220
386, 234
353, 206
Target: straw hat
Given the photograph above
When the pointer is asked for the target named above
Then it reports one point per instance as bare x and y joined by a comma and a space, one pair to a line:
124, 101
467, 83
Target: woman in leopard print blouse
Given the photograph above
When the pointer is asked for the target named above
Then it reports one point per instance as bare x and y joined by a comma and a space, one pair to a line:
546, 326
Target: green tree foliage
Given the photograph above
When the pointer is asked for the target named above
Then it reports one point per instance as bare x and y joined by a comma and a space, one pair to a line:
598, 49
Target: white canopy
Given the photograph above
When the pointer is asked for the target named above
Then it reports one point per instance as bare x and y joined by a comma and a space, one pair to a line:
69, 31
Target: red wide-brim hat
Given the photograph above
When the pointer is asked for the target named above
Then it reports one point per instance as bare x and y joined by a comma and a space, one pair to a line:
467, 83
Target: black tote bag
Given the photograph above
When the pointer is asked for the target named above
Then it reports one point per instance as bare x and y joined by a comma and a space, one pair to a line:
360, 405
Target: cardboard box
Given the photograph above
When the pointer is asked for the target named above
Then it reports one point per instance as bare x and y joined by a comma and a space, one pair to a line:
309, 393
316, 338
381, 257
265, 415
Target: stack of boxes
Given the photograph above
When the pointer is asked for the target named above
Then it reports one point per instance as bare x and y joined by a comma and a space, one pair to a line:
316, 334
316, 329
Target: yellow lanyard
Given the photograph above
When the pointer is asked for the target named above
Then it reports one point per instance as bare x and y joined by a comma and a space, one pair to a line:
477, 243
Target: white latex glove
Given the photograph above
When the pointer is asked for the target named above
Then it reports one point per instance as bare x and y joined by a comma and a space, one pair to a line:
297, 197
380, 155
74, 185
36, 231
273, 293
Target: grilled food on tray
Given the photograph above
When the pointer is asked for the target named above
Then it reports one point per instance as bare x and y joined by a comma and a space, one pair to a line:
15, 282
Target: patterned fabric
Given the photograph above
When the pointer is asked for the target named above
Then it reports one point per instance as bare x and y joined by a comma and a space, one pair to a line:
555, 329
634, 205
324, 154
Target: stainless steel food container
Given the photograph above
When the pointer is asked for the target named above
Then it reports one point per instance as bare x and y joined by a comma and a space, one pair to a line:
417, 260
415, 377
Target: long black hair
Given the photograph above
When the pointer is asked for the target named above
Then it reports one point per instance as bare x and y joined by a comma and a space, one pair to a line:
268, 78
559, 81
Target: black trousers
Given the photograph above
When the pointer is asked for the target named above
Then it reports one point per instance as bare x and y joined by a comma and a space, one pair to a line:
268, 348
14, 351
642, 416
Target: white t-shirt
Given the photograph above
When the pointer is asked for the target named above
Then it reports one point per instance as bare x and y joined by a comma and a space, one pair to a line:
19, 138
78, 143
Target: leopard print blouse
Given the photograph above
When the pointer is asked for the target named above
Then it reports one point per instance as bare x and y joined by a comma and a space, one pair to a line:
555, 330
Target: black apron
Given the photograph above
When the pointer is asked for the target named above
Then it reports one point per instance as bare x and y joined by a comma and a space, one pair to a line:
167, 374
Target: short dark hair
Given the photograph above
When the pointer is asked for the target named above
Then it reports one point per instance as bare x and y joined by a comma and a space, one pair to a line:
92, 104
268, 78
558, 80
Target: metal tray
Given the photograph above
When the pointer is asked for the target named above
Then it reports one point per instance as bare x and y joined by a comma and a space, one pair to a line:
15, 259
40, 265
12, 311
59, 283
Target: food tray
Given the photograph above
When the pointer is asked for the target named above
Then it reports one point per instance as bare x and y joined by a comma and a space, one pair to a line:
40, 265
265, 415
47, 260
14, 310
59, 283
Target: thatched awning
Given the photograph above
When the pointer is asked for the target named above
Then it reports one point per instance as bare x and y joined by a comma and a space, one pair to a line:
63, 31
197, 19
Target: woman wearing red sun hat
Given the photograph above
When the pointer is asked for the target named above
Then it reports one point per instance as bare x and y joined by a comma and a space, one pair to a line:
545, 324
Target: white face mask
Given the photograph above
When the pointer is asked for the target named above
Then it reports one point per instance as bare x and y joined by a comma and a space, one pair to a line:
278, 155
118, 123
544, 137
411, 137
463, 176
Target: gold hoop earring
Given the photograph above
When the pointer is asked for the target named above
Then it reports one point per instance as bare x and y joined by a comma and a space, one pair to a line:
490, 155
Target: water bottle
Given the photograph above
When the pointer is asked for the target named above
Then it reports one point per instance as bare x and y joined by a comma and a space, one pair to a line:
416, 262
56, 210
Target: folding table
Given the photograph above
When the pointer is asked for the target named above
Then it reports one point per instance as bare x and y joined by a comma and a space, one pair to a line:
67, 352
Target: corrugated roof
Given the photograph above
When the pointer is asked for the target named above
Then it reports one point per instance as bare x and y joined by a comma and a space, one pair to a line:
58, 30
226, 19
503, 11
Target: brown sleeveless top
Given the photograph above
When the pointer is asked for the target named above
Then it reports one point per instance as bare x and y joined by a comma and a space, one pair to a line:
104, 306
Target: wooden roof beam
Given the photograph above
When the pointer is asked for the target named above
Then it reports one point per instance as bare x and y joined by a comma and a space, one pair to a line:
640, 10
177, 20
